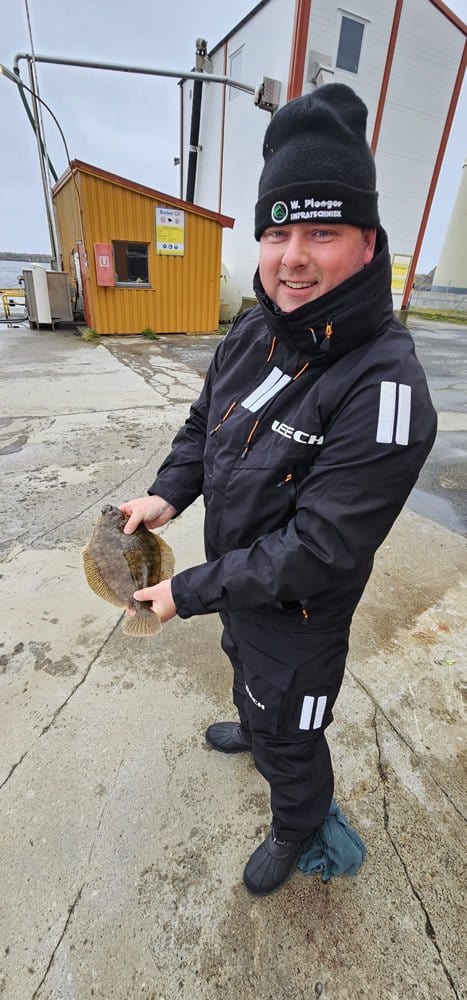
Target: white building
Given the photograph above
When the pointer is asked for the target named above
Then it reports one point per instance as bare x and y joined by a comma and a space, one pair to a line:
405, 58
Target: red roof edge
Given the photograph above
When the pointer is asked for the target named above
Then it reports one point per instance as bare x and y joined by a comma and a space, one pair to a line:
79, 166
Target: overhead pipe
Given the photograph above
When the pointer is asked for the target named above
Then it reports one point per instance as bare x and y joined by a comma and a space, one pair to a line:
145, 70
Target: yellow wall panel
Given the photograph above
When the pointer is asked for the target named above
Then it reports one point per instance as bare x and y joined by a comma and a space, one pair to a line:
184, 296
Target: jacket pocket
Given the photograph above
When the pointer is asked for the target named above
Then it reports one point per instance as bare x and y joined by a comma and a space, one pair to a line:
256, 501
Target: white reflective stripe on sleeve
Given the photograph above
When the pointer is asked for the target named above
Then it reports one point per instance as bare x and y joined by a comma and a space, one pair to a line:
387, 411
307, 709
320, 707
403, 414
273, 384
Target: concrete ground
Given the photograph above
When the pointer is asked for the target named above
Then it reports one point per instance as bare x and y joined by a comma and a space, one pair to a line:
123, 837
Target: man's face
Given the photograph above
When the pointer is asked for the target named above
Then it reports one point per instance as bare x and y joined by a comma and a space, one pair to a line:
300, 262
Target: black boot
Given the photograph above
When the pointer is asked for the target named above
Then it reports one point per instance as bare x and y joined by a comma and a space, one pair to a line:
272, 864
228, 737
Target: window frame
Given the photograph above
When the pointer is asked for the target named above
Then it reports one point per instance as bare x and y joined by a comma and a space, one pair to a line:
135, 283
357, 19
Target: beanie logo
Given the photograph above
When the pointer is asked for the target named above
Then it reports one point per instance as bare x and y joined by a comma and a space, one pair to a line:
279, 211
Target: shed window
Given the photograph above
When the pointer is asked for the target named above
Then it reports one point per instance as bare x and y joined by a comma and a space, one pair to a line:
350, 44
131, 263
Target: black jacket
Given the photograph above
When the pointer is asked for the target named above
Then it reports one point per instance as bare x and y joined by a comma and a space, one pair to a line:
305, 456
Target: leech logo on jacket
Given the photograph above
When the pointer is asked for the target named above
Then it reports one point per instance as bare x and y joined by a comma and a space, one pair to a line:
302, 437
312, 710
394, 398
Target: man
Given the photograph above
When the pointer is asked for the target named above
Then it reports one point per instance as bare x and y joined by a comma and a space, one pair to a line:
311, 430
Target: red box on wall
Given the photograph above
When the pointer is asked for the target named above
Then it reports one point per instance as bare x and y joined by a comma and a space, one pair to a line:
104, 263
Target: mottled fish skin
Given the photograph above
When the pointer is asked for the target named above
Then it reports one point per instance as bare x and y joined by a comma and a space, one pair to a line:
117, 564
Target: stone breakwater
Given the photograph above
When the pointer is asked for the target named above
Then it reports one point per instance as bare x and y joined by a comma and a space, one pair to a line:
38, 258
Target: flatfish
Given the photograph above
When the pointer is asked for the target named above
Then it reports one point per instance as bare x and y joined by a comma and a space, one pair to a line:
115, 565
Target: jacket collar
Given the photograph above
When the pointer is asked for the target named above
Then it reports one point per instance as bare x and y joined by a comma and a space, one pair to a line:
359, 309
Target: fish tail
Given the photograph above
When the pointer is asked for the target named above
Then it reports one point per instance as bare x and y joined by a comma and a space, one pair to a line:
144, 623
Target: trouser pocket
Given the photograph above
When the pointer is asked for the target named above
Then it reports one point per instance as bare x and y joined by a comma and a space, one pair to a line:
266, 683
290, 680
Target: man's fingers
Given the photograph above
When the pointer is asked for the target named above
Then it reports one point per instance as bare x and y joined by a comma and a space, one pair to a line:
144, 595
131, 524
125, 508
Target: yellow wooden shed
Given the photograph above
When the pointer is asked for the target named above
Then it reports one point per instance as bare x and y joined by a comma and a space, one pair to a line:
141, 259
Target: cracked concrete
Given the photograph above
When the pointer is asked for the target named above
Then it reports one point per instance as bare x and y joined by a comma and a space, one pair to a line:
123, 837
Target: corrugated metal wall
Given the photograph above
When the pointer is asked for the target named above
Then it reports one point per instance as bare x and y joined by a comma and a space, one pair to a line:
68, 221
185, 291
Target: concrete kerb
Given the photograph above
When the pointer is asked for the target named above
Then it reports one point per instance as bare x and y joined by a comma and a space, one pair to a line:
123, 836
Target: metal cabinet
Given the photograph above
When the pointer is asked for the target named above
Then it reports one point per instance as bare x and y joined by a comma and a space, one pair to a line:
48, 297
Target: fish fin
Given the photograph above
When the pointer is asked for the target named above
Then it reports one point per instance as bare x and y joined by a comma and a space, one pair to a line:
95, 581
144, 623
167, 560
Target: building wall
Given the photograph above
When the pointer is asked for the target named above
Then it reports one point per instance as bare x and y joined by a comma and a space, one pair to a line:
424, 68
265, 43
185, 291
67, 217
323, 37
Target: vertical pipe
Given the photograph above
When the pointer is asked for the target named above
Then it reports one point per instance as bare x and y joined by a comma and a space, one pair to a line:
182, 139
194, 140
221, 160
27, 109
45, 186
298, 51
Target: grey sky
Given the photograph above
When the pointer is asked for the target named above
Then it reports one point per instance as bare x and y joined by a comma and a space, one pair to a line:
129, 124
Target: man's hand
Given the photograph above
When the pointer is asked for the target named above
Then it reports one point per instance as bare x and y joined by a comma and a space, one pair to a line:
153, 511
162, 600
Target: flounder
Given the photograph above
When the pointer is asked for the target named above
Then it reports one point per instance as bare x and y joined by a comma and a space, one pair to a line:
116, 565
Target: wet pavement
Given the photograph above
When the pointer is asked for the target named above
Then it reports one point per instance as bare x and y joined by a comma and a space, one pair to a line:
122, 836
441, 491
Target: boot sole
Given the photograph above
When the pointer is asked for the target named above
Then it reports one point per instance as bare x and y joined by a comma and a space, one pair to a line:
268, 892
214, 746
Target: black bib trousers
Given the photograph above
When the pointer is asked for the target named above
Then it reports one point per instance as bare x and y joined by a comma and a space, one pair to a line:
285, 683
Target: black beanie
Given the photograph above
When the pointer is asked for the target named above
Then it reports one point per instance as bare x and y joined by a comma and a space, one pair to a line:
318, 165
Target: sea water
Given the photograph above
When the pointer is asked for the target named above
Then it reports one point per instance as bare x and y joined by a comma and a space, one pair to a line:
11, 271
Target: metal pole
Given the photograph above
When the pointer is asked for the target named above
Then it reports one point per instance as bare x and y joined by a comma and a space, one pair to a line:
201, 50
48, 205
181, 137
35, 87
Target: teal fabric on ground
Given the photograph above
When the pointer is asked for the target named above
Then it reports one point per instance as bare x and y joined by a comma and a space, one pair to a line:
335, 849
